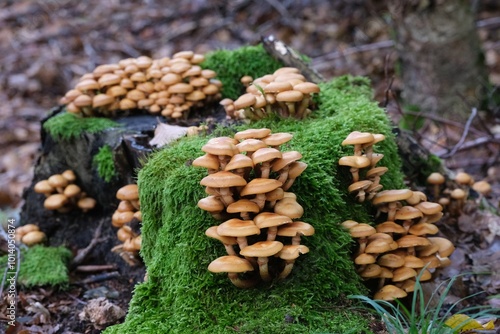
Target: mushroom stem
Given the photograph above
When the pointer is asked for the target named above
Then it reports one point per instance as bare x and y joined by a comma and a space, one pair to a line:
303, 106
287, 270
260, 200
355, 174
226, 196
291, 108
230, 250
271, 233
264, 268
238, 282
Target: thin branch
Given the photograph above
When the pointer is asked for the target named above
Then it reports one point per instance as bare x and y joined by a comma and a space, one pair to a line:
82, 254
464, 135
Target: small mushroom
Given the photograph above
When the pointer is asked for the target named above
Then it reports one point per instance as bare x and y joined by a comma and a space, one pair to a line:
262, 250
290, 253
233, 265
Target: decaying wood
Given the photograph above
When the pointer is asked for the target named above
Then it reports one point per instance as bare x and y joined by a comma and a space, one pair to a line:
289, 57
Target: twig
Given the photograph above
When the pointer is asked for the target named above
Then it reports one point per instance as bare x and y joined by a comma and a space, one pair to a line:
82, 254
474, 143
99, 278
92, 268
464, 135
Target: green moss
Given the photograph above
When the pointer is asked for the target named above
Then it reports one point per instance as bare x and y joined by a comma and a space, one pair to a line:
43, 266
104, 163
232, 65
181, 296
68, 126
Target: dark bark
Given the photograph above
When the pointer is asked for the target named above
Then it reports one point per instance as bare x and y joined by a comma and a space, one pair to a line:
441, 59
75, 229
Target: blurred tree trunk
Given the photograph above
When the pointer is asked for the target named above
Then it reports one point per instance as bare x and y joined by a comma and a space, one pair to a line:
441, 60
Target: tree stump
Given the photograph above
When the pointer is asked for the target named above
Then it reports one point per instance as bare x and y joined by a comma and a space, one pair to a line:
75, 229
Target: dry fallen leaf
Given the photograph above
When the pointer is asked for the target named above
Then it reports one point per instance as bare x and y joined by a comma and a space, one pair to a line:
166, 133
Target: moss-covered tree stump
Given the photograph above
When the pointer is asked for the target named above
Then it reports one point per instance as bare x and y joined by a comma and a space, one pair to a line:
182, 296
104, 155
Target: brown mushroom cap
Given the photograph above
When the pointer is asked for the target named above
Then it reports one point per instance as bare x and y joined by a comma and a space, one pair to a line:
265, 154
252, 133
33, 238
129, 192
262, 249
361, 230
365, 258
260, 186
268, 219
423, 229
435, 178
250, 145
294, 228
239, 161
289, 207
291, 252
391, 260
446, 247
57, 181
118, 219
277, 139
390, 292
289, 96
429, 208
286, 159
212, 233
386, 196
390, 227
355, 161
482, 187
72, 190
86, 203
243, 205
230, 264
349, 223
211, 204
359, 185
54, 202
220, 146
244, 101
463, 178
371, 270
43, 187
223, 179
237, 228
207, 160
357, 137
407, 213
412, 241
102, 100
307, 87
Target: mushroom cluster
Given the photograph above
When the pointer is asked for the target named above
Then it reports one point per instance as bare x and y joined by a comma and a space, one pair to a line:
454, 196
401, 246
127, 218
247, 182
285, 92
30, 234
62, 194
166, 86
364, 159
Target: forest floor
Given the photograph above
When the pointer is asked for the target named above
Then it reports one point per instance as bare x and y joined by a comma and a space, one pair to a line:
48, 45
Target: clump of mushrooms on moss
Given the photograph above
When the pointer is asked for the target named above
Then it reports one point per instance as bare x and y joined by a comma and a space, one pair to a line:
247, 185
285, 92
127, 218
402, 245
170, 86
63, 194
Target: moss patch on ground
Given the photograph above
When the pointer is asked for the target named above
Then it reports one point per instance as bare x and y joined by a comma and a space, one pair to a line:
67, 126
43, 266
232, 65
182, 296
104, 162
